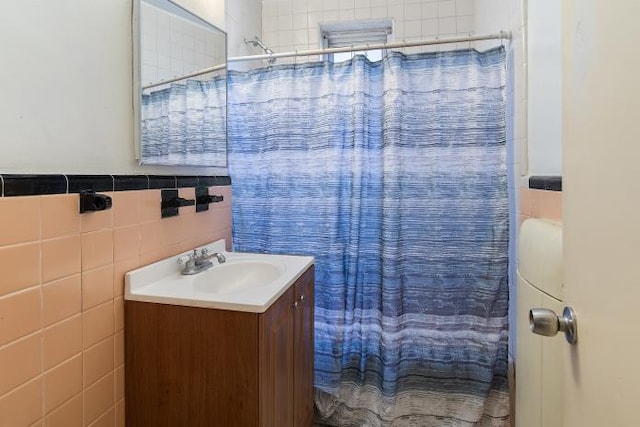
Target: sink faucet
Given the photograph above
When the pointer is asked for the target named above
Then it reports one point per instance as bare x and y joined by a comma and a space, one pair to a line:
195, 263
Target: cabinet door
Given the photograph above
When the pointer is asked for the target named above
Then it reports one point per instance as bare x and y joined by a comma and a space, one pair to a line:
303, 353
276, 361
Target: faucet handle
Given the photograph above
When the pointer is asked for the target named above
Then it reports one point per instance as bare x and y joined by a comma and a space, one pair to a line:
184, 259
204, 252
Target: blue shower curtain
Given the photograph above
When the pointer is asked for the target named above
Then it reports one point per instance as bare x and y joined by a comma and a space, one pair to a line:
393, 175
185, 124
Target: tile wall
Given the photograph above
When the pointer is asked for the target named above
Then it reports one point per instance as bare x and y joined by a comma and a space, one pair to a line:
540, 204
289, 25
61, 298
173, 46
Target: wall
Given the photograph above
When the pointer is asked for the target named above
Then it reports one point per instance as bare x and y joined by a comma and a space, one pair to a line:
66, 87
289, 25
66, 90
536, 47
535, 203
61, 298
545, 87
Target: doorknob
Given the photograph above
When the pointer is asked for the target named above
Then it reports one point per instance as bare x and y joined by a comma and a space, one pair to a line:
546, 322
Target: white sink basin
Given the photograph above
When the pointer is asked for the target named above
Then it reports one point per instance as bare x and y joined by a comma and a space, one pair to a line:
237, 276
245, 282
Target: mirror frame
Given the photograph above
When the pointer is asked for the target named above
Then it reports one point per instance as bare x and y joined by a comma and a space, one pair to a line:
136, 37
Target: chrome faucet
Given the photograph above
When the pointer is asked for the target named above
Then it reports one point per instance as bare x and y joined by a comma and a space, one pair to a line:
194, 263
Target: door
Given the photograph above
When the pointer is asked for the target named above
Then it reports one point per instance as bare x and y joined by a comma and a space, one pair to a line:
601, 85
303, 352
275, 365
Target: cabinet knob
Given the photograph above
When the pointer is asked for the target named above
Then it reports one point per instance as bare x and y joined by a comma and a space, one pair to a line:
295, 304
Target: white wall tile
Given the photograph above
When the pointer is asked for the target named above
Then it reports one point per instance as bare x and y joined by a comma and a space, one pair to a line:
412, 29
269, 24
331, 16
430, 10
413, 11
347, 4
347, 14
270, 39
464, 24
285, 38
300, 6
269, 9
330, 5
446, 8
396, 11
362, 13
412, 19
284, 7
315, 5
464, 7
430, 27
301, 37
379, 12
285, 22
447, 26
314, 38
300, 21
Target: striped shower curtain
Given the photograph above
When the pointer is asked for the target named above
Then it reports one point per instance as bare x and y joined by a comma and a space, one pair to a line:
185, 124
393, 175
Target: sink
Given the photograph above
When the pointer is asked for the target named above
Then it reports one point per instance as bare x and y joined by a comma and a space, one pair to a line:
245, 282
237, 276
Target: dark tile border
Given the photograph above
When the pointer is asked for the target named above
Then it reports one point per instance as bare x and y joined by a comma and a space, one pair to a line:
552, 183
130, 182
13, 185
212, 181
78, 183
186, 181
157, 182
33, 185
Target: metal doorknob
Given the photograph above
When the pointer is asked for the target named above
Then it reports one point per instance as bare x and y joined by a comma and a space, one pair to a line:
546, 322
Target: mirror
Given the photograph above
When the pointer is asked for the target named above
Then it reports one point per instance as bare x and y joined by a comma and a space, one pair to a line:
180, 87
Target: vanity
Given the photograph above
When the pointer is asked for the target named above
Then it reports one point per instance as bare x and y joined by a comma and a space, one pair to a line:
228, 346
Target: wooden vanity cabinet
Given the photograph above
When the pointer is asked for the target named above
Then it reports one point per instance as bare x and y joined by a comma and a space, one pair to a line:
187, 366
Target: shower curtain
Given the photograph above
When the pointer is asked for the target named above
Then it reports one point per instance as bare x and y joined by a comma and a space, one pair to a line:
185, 124
393, 175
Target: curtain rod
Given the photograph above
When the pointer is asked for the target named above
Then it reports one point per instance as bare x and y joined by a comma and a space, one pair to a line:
502, 35
186, 76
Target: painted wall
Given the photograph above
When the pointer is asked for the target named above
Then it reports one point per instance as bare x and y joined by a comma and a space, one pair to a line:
66, 85
66, 90
544, 61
